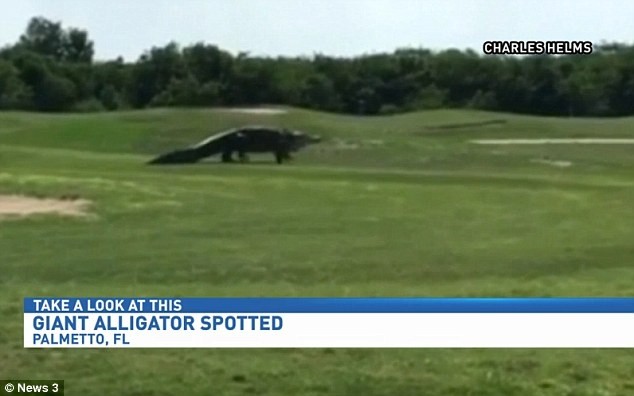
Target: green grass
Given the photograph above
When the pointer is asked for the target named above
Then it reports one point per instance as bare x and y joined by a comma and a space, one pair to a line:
386, 206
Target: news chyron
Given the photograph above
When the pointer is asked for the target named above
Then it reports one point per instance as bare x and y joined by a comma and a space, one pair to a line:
537, 47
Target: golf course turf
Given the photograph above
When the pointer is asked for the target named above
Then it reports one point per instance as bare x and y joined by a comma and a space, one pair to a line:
384, 206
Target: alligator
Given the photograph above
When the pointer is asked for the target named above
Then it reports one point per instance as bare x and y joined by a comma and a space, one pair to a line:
250, 139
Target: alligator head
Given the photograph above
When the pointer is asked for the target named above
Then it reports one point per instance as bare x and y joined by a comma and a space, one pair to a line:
300, 139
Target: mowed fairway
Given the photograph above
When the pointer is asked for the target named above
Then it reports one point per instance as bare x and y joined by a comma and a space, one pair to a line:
387, 206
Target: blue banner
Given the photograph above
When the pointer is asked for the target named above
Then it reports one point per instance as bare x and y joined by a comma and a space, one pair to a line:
328, 305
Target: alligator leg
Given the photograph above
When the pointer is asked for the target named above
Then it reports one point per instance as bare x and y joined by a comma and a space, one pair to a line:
282, 155
243, 156
279, 157
226, 156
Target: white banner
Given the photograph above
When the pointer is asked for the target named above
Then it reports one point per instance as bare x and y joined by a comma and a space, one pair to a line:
328, 330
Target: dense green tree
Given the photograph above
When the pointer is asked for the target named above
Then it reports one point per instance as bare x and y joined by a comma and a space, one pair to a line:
54, 93
50, 68
109, 98
319, 91
44, 37
154, 71
48, 38
14, 94
77, 47
207, 62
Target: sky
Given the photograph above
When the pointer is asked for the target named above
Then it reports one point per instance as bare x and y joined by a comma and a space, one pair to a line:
332, 27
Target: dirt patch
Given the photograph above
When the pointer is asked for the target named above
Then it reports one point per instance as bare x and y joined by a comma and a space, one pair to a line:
258, 110
341, 144
556, 163
21, 206
555, 141
464, 125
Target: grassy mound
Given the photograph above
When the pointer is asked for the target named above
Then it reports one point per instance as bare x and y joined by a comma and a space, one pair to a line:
386, 206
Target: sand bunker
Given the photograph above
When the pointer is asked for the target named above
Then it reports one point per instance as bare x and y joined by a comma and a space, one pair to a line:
555, 141
258, 110
21, 206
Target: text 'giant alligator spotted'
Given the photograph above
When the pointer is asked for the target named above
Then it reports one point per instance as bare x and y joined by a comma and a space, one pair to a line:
251, 139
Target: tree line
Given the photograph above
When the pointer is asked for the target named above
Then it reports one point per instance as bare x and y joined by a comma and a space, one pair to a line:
51, 68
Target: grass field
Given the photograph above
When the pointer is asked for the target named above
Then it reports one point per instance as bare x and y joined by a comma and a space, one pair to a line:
390, 206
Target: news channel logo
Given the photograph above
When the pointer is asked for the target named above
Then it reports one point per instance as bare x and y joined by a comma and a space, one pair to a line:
27, 387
